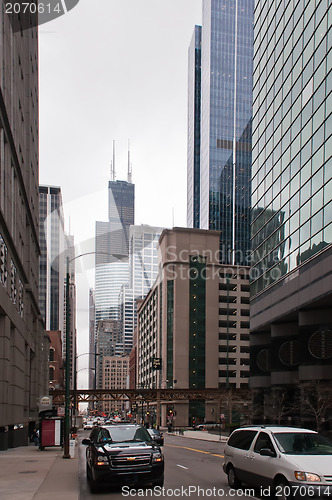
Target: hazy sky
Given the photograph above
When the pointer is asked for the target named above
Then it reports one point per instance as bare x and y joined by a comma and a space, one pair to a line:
115, 70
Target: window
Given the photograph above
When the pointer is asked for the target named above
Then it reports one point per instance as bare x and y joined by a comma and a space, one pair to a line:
242, 439
263, 441
52, 354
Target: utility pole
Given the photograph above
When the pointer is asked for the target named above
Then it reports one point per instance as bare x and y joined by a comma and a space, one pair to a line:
67, 365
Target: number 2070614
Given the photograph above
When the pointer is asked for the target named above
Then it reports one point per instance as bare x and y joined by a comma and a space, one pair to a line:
32, 8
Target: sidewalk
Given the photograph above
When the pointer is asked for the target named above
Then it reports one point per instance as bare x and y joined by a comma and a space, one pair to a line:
203, 435
29, 474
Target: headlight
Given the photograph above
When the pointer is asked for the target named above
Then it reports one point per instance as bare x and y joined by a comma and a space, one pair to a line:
306, 476
157, 457
102, 460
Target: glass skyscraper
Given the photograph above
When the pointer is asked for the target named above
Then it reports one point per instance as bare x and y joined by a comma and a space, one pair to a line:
143, 271
112, 249
225, 126
291, 275
51, 262
194, 128
291, 192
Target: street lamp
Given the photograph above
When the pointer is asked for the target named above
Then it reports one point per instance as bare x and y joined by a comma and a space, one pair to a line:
66, 453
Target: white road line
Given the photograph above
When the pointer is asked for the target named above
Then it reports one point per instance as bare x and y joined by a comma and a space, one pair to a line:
182, 466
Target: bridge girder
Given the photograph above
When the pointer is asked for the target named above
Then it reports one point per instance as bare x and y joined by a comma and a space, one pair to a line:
148, 395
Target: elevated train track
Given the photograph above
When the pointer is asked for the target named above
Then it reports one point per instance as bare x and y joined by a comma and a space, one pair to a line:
147, 395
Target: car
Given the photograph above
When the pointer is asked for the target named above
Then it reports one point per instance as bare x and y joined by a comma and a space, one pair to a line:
288, 461
88, 425
157, 436
205, 426
122, 454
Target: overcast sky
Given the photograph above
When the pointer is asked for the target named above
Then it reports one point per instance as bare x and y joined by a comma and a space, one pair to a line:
115, 70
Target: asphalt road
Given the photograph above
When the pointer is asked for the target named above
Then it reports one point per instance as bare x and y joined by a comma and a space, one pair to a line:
193, 469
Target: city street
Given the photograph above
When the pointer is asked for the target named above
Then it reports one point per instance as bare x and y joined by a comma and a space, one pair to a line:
188, 463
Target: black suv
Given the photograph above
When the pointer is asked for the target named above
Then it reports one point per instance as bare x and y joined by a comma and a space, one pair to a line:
123, 454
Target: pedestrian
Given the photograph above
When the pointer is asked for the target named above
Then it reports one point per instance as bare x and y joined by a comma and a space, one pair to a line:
35, 437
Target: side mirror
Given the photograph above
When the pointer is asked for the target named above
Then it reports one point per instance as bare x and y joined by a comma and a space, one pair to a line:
86, 441
266, 452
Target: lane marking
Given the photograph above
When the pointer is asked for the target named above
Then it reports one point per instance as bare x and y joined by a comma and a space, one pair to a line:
182, 466
193, 449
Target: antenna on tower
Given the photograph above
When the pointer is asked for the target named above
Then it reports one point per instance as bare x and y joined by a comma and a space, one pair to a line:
113, 164
130, 172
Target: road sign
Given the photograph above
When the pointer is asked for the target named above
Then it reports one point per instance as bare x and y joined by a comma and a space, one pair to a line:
61, 411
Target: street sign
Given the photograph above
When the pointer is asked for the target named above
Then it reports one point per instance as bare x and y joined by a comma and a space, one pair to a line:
61, 411
45, 403
156, 363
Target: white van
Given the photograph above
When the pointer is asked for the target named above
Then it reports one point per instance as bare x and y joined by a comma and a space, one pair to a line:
285, 461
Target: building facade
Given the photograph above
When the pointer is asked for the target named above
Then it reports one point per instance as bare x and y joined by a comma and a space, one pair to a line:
194, 129
92, 341
224, 48
107, 337
196, 319
52, 244
143, 271
291, 319
56, 365
115, 376
112, 249
24, 346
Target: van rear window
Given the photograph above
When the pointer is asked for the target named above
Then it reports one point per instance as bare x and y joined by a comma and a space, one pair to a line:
242, 439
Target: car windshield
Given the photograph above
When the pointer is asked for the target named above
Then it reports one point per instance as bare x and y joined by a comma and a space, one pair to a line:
306, 443
123, 433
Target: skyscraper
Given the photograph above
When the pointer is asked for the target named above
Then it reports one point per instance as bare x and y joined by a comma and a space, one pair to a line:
224, 141
92, 340
291, 304
24, 346
143, 271
194, 129
112, 247
52, 273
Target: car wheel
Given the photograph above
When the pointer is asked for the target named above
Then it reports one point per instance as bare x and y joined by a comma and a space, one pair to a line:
94, 488
282, 490
87, 471
160, 483
232, 479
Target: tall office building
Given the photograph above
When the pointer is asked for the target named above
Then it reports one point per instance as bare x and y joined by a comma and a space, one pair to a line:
70, 253
291, 319
196, 319
92, 340
224, 140
24, 347
107, 336
112, 246
194, 129
143, 271
52, 244
112, 266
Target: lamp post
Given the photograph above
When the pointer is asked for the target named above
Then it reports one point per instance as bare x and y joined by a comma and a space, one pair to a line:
67, 369
67, 362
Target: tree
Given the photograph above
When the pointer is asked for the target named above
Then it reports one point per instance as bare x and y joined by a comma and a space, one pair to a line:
315, 399
278, 405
